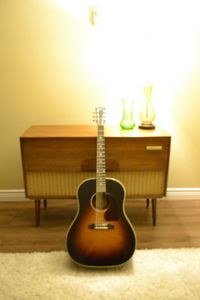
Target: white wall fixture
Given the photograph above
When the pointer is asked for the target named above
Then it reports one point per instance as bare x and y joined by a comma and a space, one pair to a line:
94, 14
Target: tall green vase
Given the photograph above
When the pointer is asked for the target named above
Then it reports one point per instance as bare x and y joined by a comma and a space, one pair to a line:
127, 121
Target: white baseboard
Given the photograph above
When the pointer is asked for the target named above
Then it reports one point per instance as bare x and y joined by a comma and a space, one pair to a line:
12, 195
172, 194
183, 193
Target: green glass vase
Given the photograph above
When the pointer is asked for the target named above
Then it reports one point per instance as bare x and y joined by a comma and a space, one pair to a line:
127, 121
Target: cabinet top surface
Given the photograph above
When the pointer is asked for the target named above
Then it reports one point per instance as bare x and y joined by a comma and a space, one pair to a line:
67, 131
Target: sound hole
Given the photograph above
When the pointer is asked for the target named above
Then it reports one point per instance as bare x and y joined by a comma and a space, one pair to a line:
100, 201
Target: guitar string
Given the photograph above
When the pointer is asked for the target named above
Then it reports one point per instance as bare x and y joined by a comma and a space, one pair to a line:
97, 178
100, 176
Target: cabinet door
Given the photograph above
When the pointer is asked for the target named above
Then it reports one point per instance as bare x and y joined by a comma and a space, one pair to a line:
130, 154
59, 154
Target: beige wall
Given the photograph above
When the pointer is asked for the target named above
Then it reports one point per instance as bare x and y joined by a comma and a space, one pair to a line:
55, 68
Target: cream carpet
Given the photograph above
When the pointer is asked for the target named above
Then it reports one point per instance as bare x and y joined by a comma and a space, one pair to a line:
172, 274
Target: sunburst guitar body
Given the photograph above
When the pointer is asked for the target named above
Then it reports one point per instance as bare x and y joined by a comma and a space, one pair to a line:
101, 234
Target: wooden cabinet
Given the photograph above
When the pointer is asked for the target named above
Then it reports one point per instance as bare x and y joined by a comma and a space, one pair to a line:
57, 158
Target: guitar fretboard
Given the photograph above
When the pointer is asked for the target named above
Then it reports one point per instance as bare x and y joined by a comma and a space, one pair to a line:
100, 161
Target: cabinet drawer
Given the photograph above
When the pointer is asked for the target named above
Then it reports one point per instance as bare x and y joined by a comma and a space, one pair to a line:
138, 153
59, 154
79, 154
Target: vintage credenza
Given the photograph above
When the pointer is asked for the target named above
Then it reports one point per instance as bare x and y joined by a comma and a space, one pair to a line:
56, 158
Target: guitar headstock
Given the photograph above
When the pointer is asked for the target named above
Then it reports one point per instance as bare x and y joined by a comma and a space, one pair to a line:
99, 115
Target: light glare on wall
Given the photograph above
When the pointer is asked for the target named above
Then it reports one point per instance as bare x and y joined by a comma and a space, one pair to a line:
136, 42
143, 41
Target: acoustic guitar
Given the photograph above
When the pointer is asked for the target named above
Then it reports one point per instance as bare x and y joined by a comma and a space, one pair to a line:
101, 234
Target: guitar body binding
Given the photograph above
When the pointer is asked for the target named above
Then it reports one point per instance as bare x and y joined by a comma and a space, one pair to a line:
101, 236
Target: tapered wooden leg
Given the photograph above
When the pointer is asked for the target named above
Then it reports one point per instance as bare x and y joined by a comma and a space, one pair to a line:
147, 202
37, 212
45, 203
154, 202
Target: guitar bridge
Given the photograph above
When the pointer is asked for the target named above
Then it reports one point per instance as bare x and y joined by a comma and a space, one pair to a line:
101, 226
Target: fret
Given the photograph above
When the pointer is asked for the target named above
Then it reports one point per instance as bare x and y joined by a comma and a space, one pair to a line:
100, 161
101, 182
100, 179
100, 147
100, 154
101, 171
100, 138
101, 189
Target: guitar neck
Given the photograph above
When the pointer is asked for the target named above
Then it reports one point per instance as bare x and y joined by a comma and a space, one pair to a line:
100, 161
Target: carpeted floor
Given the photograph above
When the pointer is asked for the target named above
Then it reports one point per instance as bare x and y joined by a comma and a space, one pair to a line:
167, 274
